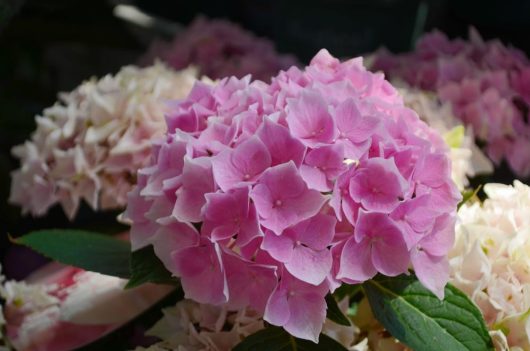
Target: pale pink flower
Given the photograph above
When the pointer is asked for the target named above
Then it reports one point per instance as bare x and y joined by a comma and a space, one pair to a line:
89, 145
490, 262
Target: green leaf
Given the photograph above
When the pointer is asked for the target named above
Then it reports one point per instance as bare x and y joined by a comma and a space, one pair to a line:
87, 250
416, 317
334, 313
146, 267
277, 339
468, 195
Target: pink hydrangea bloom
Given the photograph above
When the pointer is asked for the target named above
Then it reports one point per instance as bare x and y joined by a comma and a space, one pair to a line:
89, 145
486, 83
219, 49
321, 177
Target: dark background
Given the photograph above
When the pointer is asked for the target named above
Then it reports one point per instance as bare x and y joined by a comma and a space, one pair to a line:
48, 46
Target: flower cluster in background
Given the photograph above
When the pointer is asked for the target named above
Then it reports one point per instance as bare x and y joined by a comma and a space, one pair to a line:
89, 145
490, 260
487, 84
329, 178
190, 326
220, 49
61, 308
467, 160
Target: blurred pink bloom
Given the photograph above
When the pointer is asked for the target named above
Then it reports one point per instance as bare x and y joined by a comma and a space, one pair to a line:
220, 49
486, 82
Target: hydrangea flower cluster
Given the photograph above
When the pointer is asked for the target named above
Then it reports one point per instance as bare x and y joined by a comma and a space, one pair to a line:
272, 195
490, 260
487, 84
190, 326
467, 160
89, 145
220, 49
63, 308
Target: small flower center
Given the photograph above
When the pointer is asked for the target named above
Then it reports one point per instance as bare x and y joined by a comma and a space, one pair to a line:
246, 176
278, 203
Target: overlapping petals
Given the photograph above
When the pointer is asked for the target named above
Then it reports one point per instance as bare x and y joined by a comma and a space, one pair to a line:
279, 192
89, 145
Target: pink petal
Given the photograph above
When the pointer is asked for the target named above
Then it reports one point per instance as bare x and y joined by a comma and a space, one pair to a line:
283, 199
242, 165
280, 247
198, 267
281, 145
309, 265
442, 237
307, 315
432, 271
197, 180
316, 232
249, 284
378, 185
356, 261
277, 311
173, 237
309, 119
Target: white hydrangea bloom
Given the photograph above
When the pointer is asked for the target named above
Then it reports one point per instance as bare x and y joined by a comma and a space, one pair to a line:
491, 263
467, 159
89, 145
190, 326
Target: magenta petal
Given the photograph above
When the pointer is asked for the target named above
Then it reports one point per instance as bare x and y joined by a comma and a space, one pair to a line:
242, 165
309, 119
282, 146
356, 261
315, 178
378, 185
441, 239
277, 310
173, 237
249, 284
309, 265
283, 199
390, 255
432, 271
198, 267
433, 170
197, 181
280, 247
316, 232
307, 315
